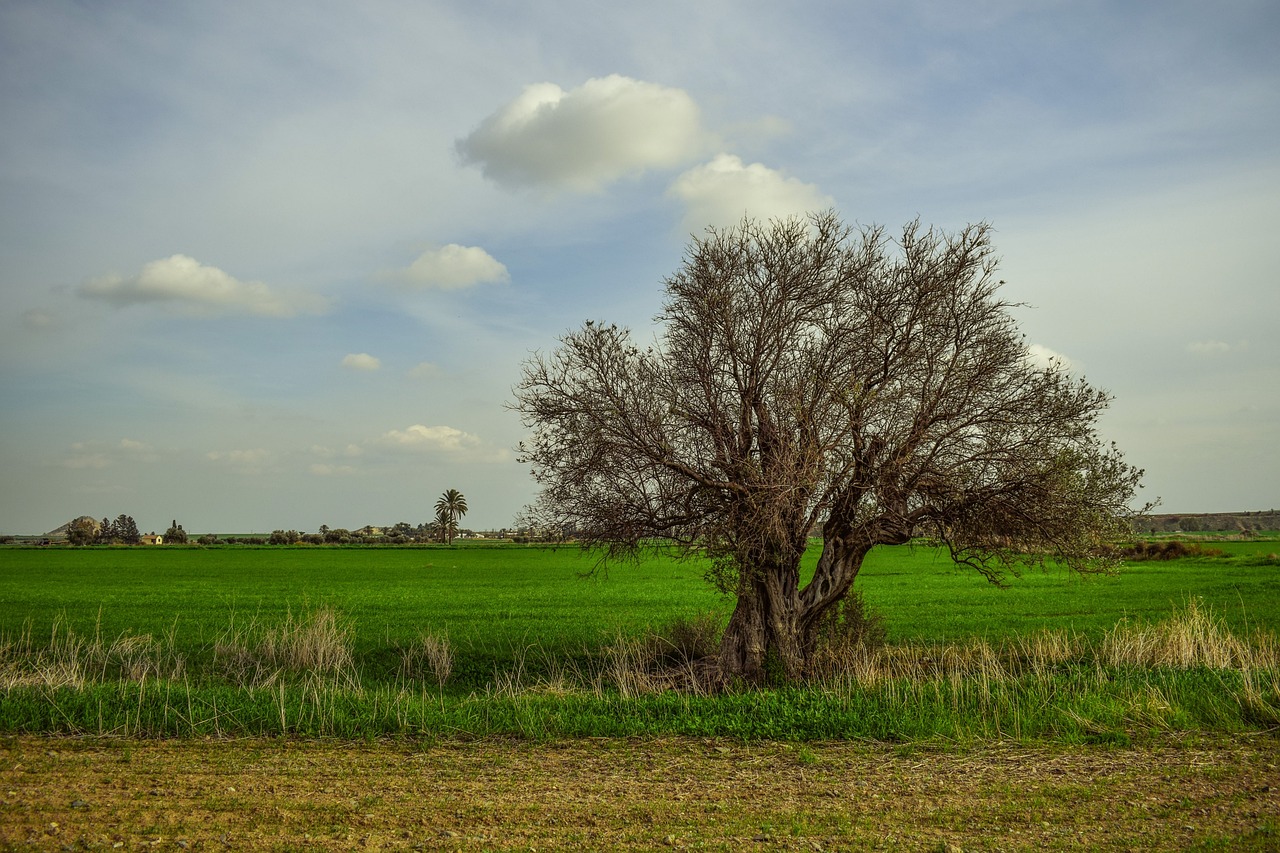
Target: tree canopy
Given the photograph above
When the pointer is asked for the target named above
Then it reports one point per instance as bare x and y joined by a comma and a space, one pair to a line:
810, 377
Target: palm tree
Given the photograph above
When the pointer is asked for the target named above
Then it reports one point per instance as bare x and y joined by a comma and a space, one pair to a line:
451, 506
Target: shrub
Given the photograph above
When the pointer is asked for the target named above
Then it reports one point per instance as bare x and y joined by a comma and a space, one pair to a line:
1144, 550
846, 632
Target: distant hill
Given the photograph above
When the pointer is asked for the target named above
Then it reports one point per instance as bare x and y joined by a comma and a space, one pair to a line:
1205, 522
61, 532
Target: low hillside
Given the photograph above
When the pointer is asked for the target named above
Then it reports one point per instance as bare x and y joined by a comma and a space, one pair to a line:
1205, 522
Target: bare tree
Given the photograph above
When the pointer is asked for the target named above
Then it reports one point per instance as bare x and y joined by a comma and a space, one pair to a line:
809, 376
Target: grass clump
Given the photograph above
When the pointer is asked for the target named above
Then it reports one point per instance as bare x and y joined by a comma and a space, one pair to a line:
315, 646
70, 659
431, 655
1192, 637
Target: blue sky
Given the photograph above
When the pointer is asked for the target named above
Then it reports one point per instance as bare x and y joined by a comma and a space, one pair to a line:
276, 264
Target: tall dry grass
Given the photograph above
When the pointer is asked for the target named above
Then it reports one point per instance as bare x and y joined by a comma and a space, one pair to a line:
316, 646
1192, 637
70, 659
430, 655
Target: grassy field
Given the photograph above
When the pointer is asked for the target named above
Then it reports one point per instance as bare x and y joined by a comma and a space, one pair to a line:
329, 641
147, 699
511, 596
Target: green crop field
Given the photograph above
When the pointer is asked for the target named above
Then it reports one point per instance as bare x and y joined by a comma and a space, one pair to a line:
506, 596
189, 640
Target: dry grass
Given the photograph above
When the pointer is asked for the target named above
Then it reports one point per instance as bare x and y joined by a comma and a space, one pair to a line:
70, 659
316, 647
431, 655
1193, 637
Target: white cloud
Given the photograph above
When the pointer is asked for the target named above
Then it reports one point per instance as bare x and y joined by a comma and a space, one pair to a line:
1211, 347
189, 285
587, 137
38, 320
425, 370
430, 438
454, 267
721, 192
361, 361
251, 461
98, 455
1042, 357
324, 470
85, 455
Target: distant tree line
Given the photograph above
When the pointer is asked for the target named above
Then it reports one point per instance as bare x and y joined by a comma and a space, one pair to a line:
122, 531
443, 528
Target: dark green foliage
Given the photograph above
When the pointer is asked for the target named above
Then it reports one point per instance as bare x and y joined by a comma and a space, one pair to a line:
1169, 550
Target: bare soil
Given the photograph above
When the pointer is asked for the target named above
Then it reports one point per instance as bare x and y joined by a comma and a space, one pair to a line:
612, 794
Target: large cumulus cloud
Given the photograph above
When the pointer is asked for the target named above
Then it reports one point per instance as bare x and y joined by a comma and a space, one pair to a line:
585, 138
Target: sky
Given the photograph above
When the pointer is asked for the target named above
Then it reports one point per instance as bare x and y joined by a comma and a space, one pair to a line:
277, 264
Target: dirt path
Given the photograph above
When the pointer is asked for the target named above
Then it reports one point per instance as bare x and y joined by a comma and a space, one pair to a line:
609, 794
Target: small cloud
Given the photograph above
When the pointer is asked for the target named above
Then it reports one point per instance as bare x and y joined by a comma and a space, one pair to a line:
39, 321
430, 438
361, 361
324, 470
98, 454
186, 284
86, 455
242, 461
586, 137
425, 370
453, 267
1041, 357
1211, 348
720, 193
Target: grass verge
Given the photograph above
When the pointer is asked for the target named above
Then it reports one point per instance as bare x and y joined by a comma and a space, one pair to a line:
1188, 673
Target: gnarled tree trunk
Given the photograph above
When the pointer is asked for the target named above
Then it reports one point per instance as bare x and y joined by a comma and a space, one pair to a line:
774, 613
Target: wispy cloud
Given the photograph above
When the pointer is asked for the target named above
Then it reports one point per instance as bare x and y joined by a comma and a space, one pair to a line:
97, 455
251, 462
1212, 348
425, 370
186, 284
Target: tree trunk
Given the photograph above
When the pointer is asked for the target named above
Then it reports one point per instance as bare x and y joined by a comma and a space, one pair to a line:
773, 613
745, 640
766, 617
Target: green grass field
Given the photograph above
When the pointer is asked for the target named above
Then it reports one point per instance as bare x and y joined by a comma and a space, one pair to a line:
531, 638
503, 596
